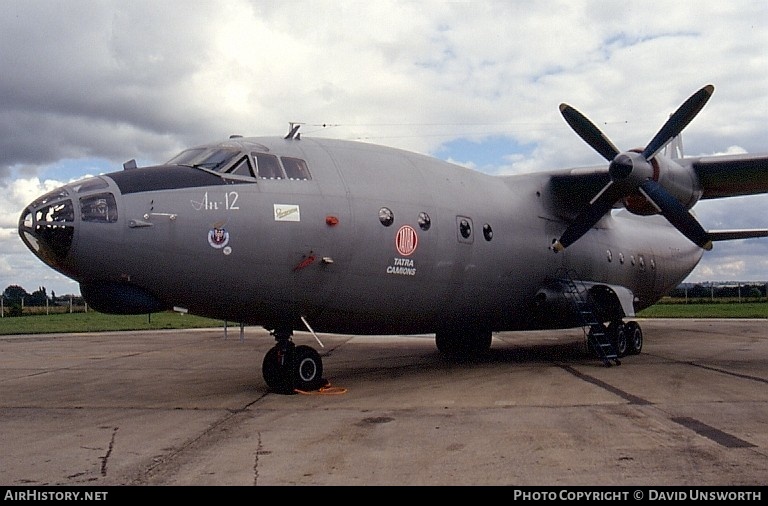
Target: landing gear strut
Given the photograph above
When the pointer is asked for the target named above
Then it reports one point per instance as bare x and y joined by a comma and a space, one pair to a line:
287, 367
462, 344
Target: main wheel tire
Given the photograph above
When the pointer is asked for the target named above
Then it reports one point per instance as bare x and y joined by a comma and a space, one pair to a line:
276, 370
482, 341
617, 331
307, 368
463, 345
634, 338
447, 343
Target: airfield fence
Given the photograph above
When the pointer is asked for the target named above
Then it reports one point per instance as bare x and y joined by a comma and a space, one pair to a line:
11, 311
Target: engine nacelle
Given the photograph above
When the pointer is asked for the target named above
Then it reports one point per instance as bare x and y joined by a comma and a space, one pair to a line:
679, 181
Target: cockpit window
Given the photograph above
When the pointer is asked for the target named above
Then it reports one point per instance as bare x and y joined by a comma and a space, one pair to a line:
242, 168
185, 157
216, 159
100, 208
234, 161
295, 168
206, 158
268, 166
90, 184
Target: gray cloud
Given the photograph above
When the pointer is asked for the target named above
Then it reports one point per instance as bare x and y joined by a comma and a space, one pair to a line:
117, 80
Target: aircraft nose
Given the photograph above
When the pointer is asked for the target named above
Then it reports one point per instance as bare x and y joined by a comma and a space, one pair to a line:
47, 226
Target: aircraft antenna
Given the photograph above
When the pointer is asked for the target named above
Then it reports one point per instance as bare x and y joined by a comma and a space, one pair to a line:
293, 133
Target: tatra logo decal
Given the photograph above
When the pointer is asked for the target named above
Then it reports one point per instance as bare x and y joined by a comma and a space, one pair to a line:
402, 266
406, 240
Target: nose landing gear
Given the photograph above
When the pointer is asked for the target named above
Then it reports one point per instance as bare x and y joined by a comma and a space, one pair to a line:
287, 367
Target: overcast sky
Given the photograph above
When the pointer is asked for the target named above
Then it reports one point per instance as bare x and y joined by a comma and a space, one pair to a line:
87, 85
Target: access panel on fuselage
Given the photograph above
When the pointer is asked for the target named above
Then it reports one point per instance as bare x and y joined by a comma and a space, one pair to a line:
304, 231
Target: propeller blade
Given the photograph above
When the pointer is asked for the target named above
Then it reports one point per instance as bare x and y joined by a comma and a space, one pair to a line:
678, 121
624, 165
587, 218
589, 132
676, 214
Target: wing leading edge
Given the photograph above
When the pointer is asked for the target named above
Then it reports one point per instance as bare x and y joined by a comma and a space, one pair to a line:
731, 175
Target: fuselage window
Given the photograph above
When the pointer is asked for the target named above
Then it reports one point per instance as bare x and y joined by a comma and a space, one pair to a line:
487, 232
295, 168
386, 217
424, 221
268, 166
465, 229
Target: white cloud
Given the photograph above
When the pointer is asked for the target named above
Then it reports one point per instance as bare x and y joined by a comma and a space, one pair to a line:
143, 79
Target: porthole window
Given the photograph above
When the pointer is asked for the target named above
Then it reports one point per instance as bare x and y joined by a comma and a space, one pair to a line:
632, 260
487, 232
424, 221
386, 217
609, 255
465, 229
621, 258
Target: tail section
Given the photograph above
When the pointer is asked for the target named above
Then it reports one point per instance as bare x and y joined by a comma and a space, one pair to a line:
675, 147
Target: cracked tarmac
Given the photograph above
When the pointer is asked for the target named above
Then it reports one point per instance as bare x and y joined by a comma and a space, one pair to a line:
191, 408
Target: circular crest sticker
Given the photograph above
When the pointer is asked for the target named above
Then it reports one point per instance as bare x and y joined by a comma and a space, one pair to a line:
218, 238
406, 240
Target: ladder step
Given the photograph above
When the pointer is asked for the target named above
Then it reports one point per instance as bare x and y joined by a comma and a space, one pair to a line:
597, 336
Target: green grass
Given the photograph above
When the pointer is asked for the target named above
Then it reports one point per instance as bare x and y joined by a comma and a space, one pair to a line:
93, 321
707, 310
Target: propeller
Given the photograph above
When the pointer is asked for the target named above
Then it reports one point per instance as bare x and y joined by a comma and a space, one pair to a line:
632, 172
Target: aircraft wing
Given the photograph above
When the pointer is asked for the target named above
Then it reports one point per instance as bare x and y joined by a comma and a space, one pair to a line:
731, 175
573, 189
730, 235
720, 176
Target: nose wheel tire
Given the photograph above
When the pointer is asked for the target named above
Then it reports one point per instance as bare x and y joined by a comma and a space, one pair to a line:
307, 369
289, 368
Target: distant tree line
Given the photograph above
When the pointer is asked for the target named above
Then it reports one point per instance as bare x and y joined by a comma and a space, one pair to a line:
15, 299
724, 291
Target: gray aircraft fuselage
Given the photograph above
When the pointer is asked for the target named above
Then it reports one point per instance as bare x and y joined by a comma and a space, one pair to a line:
374, 241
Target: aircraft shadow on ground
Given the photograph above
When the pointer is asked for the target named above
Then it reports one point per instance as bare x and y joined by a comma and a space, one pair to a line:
420, 360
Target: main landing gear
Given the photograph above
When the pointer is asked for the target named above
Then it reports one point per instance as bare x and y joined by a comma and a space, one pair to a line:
462, 344
627, 338
287, 367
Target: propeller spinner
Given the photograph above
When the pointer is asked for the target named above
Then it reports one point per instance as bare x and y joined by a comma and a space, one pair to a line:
633, 172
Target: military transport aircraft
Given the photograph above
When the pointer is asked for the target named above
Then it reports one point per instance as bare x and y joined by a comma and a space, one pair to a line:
333, 236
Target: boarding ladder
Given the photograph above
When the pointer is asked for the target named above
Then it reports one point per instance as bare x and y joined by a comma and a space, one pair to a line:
595, 331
